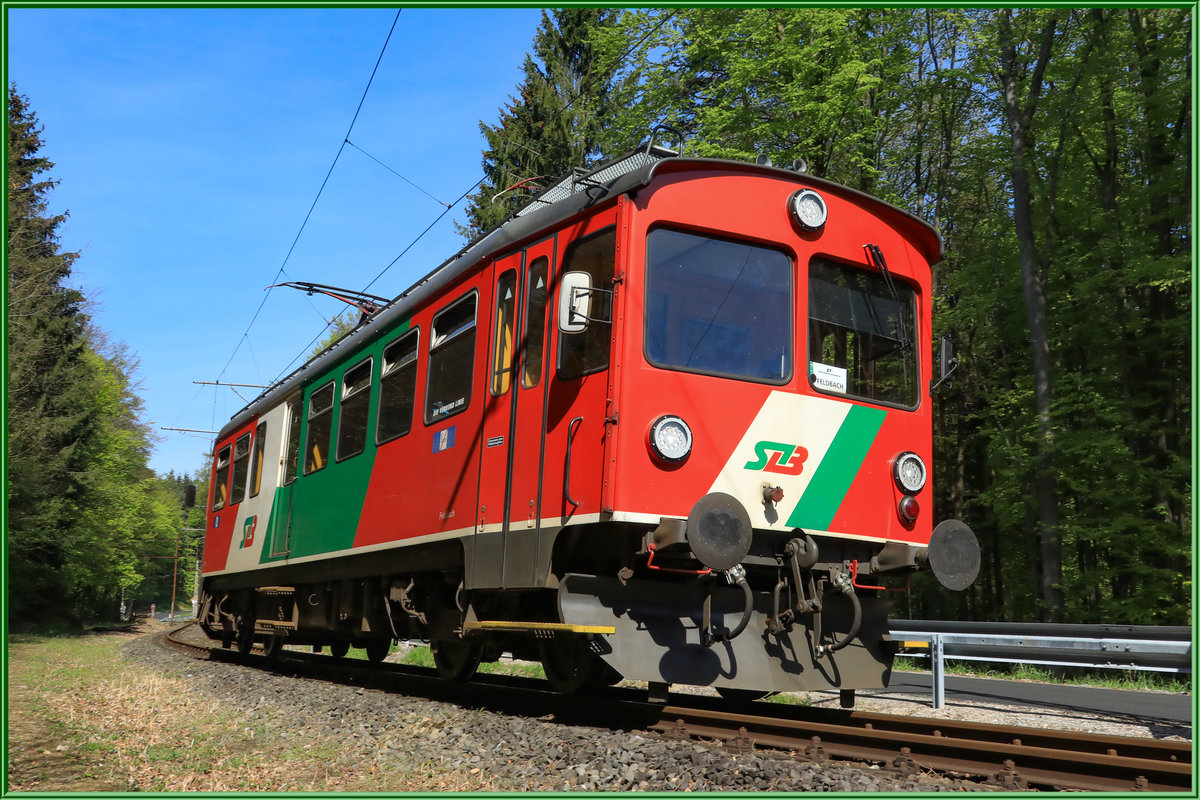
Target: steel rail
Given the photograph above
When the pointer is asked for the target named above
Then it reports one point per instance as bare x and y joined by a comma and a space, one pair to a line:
1008, 756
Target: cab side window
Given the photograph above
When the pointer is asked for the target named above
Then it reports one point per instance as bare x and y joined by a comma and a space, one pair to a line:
241, 464
291, 457
320, 425
221, 479
256, 459
587, 351
535, 323
502, 341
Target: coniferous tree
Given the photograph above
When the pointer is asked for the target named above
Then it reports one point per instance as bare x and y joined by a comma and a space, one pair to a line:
555, 123
85, 513
46, 362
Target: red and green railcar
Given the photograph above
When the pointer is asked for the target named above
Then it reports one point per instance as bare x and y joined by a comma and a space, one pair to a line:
670, 422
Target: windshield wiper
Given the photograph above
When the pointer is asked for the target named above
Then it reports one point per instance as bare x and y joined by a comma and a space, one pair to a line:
875, 259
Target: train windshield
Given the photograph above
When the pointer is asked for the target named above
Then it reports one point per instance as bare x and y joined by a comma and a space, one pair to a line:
718, 307
861, 335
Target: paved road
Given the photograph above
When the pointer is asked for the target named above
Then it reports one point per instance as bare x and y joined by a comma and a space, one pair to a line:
1162, 707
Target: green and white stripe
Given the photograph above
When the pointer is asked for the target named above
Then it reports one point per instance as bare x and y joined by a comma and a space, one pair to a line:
837, 436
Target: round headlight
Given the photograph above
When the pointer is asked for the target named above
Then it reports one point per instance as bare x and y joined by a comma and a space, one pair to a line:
910, 472
808, 208
670, 439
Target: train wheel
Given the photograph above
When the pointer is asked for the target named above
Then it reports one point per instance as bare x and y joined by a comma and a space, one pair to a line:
569, 664
226, 639
456, 659
339, 649
273, 644
245, 640
378, 649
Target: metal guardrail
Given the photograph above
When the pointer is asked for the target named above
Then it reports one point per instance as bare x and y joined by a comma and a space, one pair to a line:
1127, 647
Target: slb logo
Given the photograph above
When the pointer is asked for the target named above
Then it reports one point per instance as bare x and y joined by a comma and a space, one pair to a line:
785, 459
248, 531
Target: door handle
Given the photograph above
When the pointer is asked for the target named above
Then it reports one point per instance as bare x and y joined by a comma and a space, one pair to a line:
572, 429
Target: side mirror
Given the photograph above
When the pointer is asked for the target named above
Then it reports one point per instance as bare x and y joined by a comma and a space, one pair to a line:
189, 496
948, 363
574, 302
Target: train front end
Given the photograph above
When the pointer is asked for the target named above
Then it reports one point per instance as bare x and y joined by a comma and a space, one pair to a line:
769, 436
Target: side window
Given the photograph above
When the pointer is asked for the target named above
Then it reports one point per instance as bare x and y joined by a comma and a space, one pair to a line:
587, 351
256, 459
451, 360
535, 323
397, 388
241, 464
291, 458
502, 339
320, 424
356, 403
221, 479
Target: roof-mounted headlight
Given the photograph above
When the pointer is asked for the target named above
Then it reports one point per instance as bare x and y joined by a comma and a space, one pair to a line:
808, 209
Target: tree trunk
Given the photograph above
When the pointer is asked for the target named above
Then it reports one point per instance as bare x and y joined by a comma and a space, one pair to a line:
1020, 120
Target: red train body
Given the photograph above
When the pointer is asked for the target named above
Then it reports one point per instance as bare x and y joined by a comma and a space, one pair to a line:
670, 422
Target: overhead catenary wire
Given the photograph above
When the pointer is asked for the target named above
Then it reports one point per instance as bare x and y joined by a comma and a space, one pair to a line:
307, 216
421, 235
397, 174
448, 207
567, 107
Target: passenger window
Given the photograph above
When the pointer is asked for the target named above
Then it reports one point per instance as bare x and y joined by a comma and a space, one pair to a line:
356, 404
320, 423
221, 479
502, 340
292, 456
535, 323
586, 352
256, 459
397, 388
241, 464
451, 361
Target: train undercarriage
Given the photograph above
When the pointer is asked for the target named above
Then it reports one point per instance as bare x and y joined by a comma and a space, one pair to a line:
790, 612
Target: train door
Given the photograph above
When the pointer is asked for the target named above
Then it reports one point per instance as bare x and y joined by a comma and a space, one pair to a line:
522, 539
507, 523
278, 543
578, 411
497, 416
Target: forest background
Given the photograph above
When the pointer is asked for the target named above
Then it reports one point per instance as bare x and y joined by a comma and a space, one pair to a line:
1052, 148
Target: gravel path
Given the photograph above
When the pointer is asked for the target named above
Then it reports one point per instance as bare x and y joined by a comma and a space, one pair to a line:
464, 749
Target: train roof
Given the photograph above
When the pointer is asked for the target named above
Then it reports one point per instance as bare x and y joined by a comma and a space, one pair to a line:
570, 196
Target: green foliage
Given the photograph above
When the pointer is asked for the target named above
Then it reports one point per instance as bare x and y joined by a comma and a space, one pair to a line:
85, 514
909, 104
341, 325
556, 121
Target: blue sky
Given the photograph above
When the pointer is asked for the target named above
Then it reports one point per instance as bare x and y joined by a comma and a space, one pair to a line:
190, 143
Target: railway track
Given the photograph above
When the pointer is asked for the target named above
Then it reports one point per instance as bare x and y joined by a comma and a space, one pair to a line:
1007, 756
1012, 757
